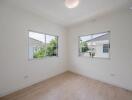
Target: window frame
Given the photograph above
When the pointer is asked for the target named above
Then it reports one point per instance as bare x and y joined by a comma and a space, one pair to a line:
45, 42
79, 53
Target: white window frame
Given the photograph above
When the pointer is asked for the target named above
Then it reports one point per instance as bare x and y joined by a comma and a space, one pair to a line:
45, 42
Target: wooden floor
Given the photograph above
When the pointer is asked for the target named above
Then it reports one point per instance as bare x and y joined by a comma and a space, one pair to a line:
69, 86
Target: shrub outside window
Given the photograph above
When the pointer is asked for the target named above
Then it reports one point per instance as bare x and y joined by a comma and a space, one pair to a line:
42, 45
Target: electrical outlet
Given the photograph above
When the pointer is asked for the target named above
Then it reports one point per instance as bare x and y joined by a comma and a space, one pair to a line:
26, 77
112, 74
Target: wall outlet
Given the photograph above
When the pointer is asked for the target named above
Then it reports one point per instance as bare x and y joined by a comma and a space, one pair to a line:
112, 74
26, 77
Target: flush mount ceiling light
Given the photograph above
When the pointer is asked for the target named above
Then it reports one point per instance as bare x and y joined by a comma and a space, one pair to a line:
71, 3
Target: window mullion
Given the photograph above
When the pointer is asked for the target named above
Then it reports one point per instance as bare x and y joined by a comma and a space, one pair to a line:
45, 44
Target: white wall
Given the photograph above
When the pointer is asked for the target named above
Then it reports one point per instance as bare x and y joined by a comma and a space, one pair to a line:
118, 69
16, 71
99, 49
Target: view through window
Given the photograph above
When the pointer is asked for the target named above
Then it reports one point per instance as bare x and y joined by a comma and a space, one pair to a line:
95, 45
42, 45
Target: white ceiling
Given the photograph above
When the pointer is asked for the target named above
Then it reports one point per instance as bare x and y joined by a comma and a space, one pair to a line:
56, 11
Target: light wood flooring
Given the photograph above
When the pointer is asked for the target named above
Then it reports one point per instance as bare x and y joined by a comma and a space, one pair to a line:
70, 86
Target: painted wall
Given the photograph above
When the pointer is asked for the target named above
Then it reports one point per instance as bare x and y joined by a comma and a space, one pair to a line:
118, 69
99, 49
16, 71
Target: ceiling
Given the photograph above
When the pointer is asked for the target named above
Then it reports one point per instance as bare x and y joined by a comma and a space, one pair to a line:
56, 11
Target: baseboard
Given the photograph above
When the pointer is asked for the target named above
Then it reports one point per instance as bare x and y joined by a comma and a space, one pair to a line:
71, 72
105, 82
19, 89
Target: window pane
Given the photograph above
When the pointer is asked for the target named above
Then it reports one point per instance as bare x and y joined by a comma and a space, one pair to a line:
51, 45
95, 45
36, 45
42, 45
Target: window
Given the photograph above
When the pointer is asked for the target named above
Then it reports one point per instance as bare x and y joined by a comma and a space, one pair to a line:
42, 45
95, 45
106, 48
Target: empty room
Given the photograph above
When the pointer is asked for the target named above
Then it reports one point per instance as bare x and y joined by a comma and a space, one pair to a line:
65, 50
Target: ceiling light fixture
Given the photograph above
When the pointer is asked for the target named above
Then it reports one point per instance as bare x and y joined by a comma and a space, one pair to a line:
71, 3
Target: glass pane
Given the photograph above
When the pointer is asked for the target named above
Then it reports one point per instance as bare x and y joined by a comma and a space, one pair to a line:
51, 45
95, 45
36, 45
83, 44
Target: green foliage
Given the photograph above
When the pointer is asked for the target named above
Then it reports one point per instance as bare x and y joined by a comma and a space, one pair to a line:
83, 46
40, 53
49, 50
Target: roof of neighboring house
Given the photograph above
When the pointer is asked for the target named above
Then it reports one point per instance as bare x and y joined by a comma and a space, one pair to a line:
99, 38
37, 36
